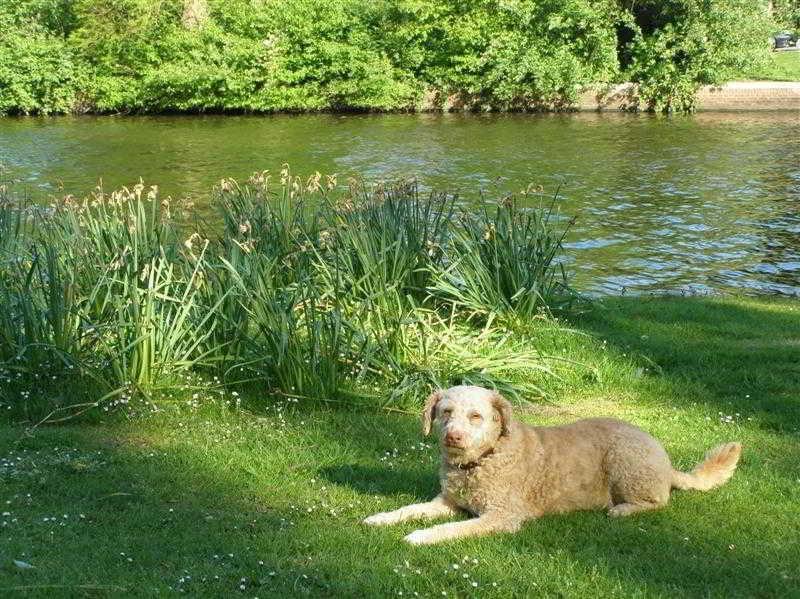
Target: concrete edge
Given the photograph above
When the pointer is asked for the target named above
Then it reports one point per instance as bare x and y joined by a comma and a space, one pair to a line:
736, 95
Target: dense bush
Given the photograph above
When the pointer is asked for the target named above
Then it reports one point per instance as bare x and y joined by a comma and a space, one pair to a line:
312, 290
38, 71
501, 54
787, 14
255, 55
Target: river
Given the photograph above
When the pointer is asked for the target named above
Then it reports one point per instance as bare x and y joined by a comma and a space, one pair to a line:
687, 204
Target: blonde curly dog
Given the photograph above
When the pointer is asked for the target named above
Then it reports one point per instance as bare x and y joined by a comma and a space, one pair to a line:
505, 472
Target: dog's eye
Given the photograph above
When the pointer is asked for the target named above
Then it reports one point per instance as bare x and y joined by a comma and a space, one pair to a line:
475, 417
447, 413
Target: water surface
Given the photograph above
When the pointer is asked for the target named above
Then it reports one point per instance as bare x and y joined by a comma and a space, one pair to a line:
697, 204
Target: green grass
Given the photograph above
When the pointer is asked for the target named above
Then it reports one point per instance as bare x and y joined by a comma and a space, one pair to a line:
203, 498
779, 66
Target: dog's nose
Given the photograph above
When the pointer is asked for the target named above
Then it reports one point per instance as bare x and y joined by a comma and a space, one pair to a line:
454, 438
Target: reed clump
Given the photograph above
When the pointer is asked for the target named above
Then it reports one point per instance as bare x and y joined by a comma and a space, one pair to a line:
308, 289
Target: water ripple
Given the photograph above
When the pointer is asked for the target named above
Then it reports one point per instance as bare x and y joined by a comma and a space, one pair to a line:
671, 205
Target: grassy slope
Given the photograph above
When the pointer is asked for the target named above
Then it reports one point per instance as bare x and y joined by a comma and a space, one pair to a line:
780, 66
199, 499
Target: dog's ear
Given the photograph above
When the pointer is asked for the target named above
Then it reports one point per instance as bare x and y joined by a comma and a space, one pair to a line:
503, 408
428, 412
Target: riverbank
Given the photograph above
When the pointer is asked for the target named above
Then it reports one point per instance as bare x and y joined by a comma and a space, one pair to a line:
732, 96
755, 96
266, 501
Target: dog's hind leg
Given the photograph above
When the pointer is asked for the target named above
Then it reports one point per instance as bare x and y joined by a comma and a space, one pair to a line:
436, 508
639, 476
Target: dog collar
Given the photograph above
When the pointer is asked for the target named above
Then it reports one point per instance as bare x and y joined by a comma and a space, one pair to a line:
475, 463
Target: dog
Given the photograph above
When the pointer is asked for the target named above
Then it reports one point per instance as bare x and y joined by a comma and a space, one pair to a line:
506, 472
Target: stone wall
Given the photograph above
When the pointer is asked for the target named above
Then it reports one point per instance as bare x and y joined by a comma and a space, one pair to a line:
750, 95
737, 95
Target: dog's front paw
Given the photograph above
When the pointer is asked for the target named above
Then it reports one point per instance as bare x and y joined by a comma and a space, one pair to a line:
423, 536
382, 519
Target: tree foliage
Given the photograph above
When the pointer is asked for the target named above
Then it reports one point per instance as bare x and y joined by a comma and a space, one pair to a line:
258, 55
787, 14
680, 44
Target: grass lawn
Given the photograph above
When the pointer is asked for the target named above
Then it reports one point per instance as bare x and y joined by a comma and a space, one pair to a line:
267, 501
780, 66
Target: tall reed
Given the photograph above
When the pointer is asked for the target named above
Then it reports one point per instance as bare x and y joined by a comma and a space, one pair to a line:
504, 260
385, 243
308, 289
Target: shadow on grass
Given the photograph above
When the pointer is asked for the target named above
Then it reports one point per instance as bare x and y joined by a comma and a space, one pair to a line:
730, 353
371, 480
197, 516
389, 452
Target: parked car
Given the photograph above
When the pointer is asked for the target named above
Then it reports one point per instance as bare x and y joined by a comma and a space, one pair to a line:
784, 40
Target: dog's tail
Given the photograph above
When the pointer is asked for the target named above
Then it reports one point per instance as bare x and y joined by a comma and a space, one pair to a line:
713, 471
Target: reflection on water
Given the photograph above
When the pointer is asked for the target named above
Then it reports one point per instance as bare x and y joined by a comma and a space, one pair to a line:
694, 204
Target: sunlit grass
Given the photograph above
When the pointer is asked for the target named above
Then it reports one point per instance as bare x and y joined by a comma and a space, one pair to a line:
266, 499
779, 66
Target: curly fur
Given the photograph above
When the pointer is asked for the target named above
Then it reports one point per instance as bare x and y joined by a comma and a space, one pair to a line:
505, 472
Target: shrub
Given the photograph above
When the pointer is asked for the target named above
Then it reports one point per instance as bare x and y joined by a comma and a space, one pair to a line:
326, 56
501, 55
787, 14
38, 71
141, 55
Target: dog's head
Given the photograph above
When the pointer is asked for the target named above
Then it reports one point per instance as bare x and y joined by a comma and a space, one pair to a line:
471, 421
